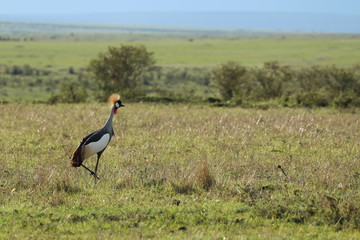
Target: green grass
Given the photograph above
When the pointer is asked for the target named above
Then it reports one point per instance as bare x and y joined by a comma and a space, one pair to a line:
180, 171
174, 51
202, 52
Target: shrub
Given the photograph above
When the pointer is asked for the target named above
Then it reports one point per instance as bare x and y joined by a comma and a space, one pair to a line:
317, 86
230, 79
272, 78
70, 92
345, 100
312, 99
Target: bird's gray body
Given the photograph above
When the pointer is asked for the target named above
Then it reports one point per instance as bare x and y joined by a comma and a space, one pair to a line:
96, 142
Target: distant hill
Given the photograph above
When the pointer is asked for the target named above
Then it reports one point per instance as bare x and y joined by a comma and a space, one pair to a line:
208, 21
23, 27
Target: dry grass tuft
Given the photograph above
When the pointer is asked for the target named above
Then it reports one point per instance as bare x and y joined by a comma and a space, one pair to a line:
43, 176
204, 177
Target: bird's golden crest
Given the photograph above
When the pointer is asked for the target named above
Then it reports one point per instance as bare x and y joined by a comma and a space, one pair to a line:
113, 98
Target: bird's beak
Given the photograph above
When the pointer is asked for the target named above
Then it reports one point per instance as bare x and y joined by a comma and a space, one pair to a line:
121, 105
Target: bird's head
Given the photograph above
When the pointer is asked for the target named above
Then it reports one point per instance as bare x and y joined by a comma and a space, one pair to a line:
115, 102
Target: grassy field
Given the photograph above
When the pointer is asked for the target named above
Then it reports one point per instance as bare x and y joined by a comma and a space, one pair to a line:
55, 54
180, 172
201, 53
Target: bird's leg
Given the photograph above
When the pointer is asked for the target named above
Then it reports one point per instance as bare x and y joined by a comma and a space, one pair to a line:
91, 172
97, 163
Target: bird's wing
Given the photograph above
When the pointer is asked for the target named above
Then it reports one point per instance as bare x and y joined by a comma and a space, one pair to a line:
92, 137
79, 154
77, 158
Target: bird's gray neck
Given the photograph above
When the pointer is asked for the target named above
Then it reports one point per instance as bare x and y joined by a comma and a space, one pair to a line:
108, 124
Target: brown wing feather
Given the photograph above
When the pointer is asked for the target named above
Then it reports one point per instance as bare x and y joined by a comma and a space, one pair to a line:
77, 159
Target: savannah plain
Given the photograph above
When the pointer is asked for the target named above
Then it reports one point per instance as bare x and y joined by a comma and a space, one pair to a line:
181, 170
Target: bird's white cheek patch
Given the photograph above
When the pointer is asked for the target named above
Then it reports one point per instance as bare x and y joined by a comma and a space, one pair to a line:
95, 147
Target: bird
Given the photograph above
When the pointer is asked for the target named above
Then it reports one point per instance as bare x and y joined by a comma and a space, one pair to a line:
96, 142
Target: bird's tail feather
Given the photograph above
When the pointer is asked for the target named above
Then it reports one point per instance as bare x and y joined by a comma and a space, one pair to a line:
77, 159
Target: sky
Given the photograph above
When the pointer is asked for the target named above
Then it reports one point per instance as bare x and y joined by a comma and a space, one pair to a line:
46, 7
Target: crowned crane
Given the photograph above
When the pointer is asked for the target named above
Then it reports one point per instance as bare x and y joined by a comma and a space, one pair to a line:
96, 142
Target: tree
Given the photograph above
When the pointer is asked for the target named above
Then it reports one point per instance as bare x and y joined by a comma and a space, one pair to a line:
119, 68
229, 78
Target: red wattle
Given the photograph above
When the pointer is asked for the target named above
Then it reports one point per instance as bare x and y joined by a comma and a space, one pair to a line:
115, 111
